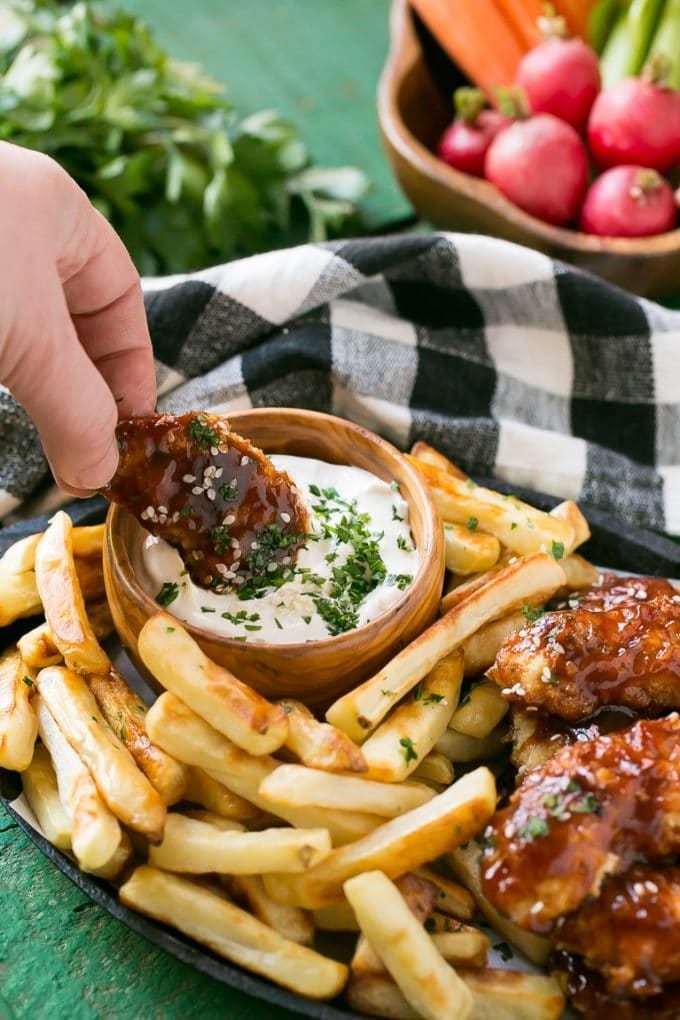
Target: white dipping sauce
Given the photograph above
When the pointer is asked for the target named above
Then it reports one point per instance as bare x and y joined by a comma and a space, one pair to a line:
289, 614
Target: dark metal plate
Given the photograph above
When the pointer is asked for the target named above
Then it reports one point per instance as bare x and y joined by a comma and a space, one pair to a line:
613, 544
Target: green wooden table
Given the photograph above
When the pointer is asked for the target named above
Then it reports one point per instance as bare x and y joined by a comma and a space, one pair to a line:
317, 61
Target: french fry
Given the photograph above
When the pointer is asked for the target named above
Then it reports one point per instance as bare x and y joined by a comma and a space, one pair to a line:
435, 768
95, 832
125, 712
533, 578
18, 597
295, 924
203, 789
461, 748
187, 737
469, 551
481, 649
88, 542
232, 933
420, 896
427, 982
464, 863
217, 821
480, 711
126, 791
579, 572
452, 898
428, 455
119, 860
335, 917
510, 995
298, 786
460, 588
38, 649
518, 526
42, 793
497, 995
318, 744
62, 599
409, 734
199, 848
571, 514
231, 707
466, 948
396, 847
100, 619
18, 724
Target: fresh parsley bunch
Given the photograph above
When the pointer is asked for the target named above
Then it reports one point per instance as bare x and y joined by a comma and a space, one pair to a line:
183, 179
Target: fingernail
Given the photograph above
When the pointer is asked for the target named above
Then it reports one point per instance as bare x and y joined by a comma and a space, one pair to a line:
97, 475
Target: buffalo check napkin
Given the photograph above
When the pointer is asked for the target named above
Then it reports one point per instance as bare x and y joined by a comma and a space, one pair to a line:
514, 365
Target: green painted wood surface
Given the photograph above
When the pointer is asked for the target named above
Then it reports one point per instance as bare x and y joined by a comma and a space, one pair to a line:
316, 61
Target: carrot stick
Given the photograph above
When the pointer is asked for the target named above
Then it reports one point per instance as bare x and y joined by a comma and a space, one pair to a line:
477, 37
576, 13
522, 16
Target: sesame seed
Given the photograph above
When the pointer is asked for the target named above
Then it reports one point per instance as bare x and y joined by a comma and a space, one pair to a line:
229, 519
162, 519
255, 545
244, 461
210, 493
537, 907
213, 451
651, 887
188, 479
197, 490
639, 888
162, 509
150, 511
285, 518
271, 567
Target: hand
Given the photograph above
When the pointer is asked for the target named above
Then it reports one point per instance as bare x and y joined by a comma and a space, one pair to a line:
74, 342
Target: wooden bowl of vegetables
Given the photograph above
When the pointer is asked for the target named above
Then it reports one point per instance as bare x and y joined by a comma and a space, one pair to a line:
415, 108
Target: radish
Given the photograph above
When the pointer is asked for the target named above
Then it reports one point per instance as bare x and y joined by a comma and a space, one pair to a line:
561, 75
637, 121
465, 142
541, 165
629, 201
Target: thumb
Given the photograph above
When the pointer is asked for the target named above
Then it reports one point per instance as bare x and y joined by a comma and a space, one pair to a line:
74, 410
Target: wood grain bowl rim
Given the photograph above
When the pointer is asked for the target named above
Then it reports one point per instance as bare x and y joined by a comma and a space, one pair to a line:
430, 547
404, 54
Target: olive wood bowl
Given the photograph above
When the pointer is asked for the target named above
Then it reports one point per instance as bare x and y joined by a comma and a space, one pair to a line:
414, 107
318, 671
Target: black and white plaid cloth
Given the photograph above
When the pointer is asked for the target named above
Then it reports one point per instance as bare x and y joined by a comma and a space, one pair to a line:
516, 366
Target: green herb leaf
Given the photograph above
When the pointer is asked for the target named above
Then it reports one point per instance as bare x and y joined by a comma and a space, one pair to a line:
27, 680
558, 550
409, 750
534, 828
168, 593
531, 613
472, 523
504, 950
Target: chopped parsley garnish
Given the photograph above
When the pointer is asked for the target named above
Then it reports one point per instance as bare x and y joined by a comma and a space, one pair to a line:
307, 619
402, 581
204, 435
229, 491
220, 538
433, 699
394, 486
169, 630
241, 618
185, 511
168, 593
395, 515
27, 680
315, 490
430, 925
532, 613
589, 804
558, 550
533, 829
278, 624
472, 523
504, 950
207, 609
408, 750
387, 694
485, 842
470, 484
417, 692
403, 544
513, 525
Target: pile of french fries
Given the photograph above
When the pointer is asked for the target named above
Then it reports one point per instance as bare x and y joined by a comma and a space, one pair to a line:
250, 826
